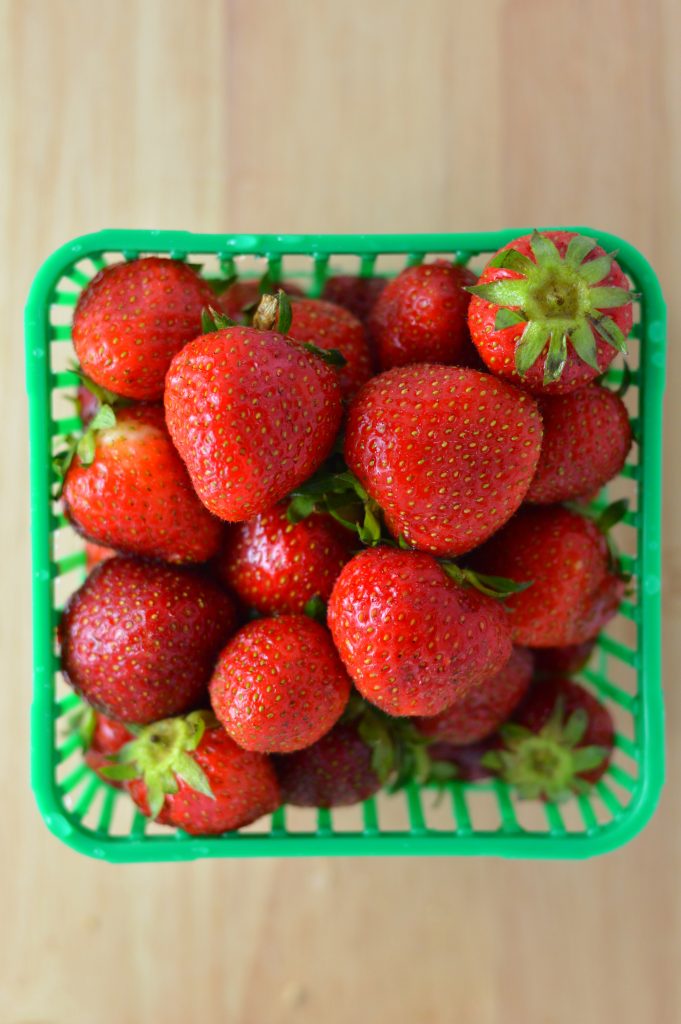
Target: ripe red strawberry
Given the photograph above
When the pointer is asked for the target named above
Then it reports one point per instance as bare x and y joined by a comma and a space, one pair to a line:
587, 437
274, 566
131, 320
448, 453
560, 742
103, 738
479, 711
242, 296
187, 772
562, 661
95, 553
411, 637
134, 493
336, 771
565, 556
420, 317
279, 685
139, 639
253, 414
550, 312
358, 294
331, 327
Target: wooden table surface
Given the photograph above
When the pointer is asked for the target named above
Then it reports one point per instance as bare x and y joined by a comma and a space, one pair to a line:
315, 115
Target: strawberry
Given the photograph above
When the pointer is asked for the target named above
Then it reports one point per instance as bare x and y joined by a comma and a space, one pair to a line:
131, 491
587, 437
188, 773
562, 661
335, 771
356, 293
87, 404
551, 311
279, 685
420, 317
559, 743
412, 638
253, 414
479, 711
331, 327
275, 566
103, 737
95, 553
242, 296
467, 761
574, 589
131, 320
139, 639
448, 453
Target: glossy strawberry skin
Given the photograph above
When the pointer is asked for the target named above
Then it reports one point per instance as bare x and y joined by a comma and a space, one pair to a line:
139, 639
131, 320
96, 553
331, 327
420, 317
563, 661
358, 294
336, 771
574, 592
538, 706
253, 415
587, 437
481, 710
448, 453
243, 295
279, 685
497, 348
136, 496
107, 739
275, 566
243, 784
411, 638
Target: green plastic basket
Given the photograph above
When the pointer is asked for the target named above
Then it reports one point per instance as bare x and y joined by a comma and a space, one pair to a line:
466, 818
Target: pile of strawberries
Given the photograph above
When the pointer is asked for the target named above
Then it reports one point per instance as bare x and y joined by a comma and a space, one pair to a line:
338, 554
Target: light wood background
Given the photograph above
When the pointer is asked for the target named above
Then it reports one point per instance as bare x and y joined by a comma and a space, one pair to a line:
319, 115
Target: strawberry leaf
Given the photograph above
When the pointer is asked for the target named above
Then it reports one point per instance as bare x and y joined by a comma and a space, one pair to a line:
556, 357
595, 270
284, 313
187, 769
315, 609
511, 259
502, 293
331, 356
544, 248
609, 298
531, 346
613, 514
578, 249
584, 344
609, 331
507, 318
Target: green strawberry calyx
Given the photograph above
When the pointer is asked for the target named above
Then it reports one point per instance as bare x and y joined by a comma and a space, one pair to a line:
548, 764
559, 299
336, 491
274, 313
492, 586
82, 444
161, 754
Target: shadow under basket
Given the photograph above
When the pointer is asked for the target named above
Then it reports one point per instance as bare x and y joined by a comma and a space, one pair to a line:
481, 818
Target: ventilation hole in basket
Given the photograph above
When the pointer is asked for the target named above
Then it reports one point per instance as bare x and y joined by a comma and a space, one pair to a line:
64, 404
66, 584
123, 815
349, 264
153, 828
263, 826
483, 807
300, 270
347, 819
622, 675
301, 819
62, 356
390, 264
65, 542
437, 807
531, 815
61, 311
571, 816
392, 812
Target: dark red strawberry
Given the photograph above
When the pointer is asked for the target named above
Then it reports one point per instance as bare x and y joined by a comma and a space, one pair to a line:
131, 320
139, 639
332, 327
275, 566
87, 404
279, 685
551, 311
479, 711
420, 317
467, 761
586, 440
188, 773
253, 414
103, 737
448, 453
560, 742
95, 553
356, 293
565, 557
335, 771
132, 492
562, 661
241, 297
411, 637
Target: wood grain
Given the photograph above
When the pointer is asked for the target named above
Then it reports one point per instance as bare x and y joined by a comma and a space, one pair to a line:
318, 115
